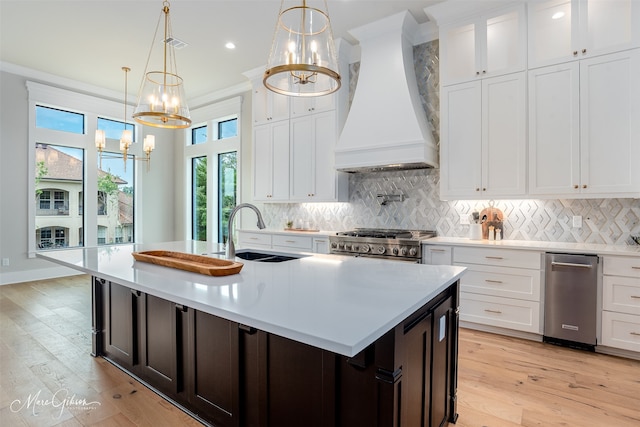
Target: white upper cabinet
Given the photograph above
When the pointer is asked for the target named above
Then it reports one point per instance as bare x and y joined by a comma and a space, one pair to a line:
305, 105
313, 176
483, 133
271, 162
565, 30
584, 122
490, 45
268, 106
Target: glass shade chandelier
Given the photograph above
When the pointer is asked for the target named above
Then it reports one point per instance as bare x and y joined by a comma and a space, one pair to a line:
161, 100
303, 59
127, 136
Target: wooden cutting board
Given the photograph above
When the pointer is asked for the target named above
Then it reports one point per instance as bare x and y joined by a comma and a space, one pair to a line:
190, 262
495, 218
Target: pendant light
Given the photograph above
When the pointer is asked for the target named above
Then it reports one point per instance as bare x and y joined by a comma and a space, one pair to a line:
303, 59
126, 137
161, 100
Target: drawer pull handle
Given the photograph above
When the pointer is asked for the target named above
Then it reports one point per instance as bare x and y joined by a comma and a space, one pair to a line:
437, 250
493, 311
635, 334
290, 241
494, 257
493, 281
635, 268
635, 296
253, 238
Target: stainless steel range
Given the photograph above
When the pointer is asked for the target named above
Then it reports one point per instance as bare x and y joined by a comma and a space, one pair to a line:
401, 245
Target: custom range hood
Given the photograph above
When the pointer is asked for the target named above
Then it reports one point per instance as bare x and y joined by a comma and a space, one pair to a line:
386, 127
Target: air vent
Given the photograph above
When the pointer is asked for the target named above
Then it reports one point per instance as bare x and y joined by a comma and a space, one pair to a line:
176, 43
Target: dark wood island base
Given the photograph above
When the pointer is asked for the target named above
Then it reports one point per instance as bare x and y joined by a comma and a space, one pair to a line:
229, 374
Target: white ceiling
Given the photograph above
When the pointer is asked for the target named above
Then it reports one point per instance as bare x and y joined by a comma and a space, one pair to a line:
90, 41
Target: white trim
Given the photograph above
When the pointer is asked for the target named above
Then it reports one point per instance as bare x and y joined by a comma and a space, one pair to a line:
38, 274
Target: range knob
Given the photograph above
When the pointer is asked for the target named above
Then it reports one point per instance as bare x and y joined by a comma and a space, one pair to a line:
381, 250
395, 251
334, 245
347, 246
403, 251
364, 248
341, 245
413, 251
355, 248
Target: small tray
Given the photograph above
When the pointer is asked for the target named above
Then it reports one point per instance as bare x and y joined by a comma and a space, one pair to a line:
190, 262
307, 230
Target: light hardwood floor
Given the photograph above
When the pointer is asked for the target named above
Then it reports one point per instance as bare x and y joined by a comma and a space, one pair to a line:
45, 343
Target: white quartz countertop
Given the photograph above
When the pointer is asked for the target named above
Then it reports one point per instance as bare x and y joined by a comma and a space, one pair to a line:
341, 304
582, 248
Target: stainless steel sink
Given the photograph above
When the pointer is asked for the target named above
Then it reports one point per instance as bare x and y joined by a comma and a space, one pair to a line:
266, 256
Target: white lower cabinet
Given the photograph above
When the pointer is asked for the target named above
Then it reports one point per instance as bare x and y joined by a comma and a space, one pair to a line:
253, 240
296, 243
501, 287
437, 255
621, 302
502, 312
283, 242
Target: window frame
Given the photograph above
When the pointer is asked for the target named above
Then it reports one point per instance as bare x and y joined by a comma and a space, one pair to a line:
91, 107
210, 116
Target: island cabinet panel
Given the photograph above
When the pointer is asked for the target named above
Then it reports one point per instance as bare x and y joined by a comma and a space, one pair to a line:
213, 368
120, 324
158, 343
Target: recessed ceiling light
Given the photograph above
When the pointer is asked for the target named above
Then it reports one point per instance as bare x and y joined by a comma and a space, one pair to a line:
230, 45
557, 15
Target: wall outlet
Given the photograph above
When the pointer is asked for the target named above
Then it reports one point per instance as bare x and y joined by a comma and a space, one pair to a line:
5, 262
577, 221
464, 220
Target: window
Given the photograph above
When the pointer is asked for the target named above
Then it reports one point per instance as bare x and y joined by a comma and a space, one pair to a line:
199, 201
228, 128
115, 199
113, 128
59, 182
227, 170
66, 121
199, 135
212, 156
62, 126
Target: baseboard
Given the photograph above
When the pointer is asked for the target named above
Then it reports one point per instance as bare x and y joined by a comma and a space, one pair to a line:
501, 331
37, 274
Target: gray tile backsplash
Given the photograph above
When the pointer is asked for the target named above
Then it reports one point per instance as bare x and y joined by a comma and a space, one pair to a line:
610, 221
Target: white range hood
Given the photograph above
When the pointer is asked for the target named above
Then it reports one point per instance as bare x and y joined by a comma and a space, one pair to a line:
386, 127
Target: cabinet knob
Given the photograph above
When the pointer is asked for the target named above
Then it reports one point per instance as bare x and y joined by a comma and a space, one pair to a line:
484, 189
484, 71
477, 189
575, 53
584, 51
584, 186
477, 73
576, 186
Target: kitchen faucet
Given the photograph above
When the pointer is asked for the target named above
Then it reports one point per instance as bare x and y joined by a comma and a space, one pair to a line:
231, 250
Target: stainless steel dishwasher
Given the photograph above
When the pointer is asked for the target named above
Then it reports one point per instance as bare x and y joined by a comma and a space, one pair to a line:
571, 287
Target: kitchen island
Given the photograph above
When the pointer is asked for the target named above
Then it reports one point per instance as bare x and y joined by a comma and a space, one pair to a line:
320, 340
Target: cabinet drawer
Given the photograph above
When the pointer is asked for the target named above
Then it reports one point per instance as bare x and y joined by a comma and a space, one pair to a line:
621, 294
621, 330
499, 257
502, 282
294, 242
503, 312
621, 266
248, 239
436, 255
